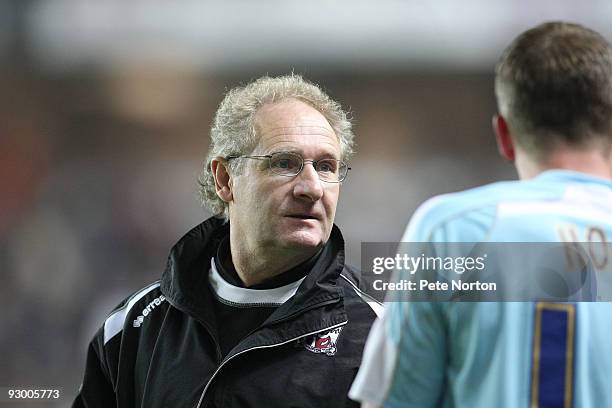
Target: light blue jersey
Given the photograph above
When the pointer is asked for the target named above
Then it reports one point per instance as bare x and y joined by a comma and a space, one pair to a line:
499, 354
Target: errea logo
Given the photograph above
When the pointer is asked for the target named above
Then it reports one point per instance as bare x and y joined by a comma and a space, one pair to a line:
145, 312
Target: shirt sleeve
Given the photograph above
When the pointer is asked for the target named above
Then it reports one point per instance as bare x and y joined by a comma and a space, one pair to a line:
377, 366
96, 389
405, 355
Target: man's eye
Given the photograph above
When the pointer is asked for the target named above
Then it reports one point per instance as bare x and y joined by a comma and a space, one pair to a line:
326, 166
282, 164
285, 163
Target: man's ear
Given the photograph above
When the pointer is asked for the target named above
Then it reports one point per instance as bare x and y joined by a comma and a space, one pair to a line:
505, 144
223, 181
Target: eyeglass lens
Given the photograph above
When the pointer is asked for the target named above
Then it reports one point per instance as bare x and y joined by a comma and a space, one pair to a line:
290, 164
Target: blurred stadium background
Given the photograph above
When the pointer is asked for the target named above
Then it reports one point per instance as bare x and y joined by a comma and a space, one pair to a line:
104, 116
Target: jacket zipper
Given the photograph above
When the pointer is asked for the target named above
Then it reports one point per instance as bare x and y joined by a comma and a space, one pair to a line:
262, 347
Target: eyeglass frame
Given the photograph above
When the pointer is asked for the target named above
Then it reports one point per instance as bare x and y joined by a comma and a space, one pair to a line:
304, 161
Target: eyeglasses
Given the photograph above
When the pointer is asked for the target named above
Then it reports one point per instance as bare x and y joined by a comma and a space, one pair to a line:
291, 164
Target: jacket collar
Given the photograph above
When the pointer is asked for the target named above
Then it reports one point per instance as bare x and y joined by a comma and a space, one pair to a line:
185, 279
246, 297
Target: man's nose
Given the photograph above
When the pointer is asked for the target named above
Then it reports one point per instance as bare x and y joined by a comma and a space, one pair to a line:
308, 184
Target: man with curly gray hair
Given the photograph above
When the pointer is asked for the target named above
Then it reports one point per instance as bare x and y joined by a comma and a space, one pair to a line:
256, 306
233, 131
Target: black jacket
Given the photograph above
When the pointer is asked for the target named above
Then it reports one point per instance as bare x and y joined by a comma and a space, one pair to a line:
159, 348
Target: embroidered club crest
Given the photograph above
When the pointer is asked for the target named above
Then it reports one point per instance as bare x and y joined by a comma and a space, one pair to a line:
323, 343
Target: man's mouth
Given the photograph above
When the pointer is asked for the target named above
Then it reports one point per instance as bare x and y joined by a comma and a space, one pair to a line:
304, 216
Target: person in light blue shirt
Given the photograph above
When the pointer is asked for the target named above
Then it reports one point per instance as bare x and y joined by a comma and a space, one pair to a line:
554, 92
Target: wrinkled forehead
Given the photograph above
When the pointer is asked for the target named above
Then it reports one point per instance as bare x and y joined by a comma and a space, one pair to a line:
300, 129
294, 122
288, 114
309, 141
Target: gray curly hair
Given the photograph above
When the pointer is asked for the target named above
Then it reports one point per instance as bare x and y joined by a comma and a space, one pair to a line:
233, 129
